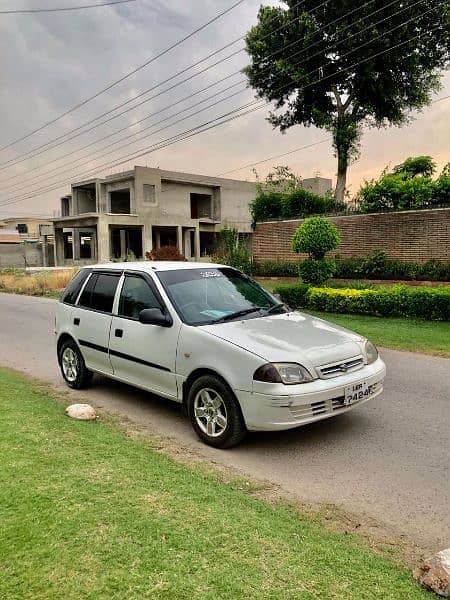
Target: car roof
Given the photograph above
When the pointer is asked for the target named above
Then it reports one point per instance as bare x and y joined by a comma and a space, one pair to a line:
154, 265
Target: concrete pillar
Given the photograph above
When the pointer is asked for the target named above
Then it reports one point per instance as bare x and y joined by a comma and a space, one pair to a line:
180, 239
59, 248
45, 252
148, 239
158, 239
76, 242
123, 244
197, 244
104, 244
94, 242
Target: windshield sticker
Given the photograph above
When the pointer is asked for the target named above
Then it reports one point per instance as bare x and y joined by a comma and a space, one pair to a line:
207, 274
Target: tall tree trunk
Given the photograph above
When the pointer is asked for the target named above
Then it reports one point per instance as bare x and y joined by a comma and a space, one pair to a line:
341, 182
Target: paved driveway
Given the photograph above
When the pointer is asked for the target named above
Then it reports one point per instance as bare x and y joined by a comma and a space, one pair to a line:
388, 460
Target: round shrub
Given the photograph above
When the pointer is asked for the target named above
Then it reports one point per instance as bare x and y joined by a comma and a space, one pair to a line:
315, 237
316, 272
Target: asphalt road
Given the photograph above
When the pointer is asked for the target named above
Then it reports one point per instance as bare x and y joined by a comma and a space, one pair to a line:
387, 462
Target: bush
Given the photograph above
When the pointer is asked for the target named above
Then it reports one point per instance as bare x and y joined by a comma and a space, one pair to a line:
377, 265
293, 294
165, 253
276, 268
316, 272
282, 196
398, 301
233, 251
315, 237
409, 186
267, 206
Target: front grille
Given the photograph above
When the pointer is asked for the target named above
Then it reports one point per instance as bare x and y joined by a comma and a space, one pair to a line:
340, 368
317, 408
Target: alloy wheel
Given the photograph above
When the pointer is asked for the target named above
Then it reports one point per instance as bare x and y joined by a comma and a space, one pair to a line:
210, 412
70, 364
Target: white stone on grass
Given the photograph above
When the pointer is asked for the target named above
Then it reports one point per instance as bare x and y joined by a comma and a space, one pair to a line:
434, 573
81, 412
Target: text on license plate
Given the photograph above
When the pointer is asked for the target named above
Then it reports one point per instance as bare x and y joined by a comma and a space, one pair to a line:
359, 391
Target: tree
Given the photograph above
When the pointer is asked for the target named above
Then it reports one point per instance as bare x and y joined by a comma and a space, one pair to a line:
316, 236
416, 165
342, 65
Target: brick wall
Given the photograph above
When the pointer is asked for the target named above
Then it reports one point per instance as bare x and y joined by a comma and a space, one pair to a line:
409, 236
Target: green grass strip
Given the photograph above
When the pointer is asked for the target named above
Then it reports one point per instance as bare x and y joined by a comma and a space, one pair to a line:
88, 512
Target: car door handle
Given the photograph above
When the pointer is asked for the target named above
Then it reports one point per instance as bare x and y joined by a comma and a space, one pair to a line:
76, 321
118, 333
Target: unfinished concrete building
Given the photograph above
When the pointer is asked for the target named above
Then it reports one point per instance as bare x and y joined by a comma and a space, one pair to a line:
131, 213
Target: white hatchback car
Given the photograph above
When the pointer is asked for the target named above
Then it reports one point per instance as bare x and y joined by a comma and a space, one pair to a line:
209, 337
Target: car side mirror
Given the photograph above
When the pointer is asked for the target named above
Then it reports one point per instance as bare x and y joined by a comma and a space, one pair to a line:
155, 316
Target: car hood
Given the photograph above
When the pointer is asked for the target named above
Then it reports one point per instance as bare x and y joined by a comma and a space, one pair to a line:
290, 337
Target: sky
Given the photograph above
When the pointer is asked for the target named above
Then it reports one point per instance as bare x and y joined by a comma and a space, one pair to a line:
52, 61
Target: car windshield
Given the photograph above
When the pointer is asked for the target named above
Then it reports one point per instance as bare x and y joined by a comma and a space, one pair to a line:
215, 295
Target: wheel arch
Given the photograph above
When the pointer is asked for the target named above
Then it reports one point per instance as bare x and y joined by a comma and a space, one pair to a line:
64, 337
188, 383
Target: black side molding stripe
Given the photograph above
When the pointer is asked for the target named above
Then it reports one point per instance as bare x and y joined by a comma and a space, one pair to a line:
139, 361
93, 346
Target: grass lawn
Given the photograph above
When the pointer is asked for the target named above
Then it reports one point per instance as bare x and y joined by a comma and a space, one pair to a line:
416, 335
428, 337
89, 512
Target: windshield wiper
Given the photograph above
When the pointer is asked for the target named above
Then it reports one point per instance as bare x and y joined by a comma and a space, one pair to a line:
239, 313
273, 308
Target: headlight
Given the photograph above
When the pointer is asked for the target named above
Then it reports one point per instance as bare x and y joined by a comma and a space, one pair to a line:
287, 373
371, 352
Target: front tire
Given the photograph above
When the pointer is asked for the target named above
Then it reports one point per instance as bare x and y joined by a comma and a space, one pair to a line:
73, 367
215, 413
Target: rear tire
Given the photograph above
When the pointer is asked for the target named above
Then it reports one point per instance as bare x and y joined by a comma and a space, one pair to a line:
215, 413
72, 365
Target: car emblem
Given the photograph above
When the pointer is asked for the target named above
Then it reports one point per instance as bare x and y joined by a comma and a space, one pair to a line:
344, 367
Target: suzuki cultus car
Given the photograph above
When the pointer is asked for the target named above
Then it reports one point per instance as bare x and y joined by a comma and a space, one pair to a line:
209, 337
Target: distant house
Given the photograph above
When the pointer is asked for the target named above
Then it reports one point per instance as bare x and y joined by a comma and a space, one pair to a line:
27, 228
26, 241
318, 185
146, 208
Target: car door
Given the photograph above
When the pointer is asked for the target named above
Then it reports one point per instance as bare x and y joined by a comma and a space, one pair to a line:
92, 318
143, 354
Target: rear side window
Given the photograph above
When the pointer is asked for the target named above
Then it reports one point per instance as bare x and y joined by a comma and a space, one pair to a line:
99, 292
71, 292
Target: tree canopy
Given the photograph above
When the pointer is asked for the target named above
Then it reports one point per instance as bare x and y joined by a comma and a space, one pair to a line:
342, 65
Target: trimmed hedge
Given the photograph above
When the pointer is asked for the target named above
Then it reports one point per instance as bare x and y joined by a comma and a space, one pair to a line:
374, 266
397, 301
276, 268
378, 266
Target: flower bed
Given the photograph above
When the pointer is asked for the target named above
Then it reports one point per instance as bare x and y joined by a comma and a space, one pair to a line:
397, 301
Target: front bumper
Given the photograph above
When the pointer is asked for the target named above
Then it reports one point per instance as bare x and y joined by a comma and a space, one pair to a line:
293, 406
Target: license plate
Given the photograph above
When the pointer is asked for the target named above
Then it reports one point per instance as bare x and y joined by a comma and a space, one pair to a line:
359, 391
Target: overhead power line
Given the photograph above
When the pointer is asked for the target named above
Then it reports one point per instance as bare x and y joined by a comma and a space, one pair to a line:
30, 182
60, 9
36, 151
124, 77
223, 119
264, 160
52, 161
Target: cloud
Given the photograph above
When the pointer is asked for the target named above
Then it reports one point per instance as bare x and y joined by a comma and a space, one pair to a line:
51, 62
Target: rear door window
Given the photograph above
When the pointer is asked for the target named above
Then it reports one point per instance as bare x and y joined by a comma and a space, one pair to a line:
99, 292
70, 294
